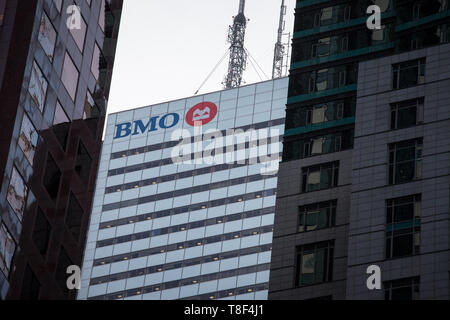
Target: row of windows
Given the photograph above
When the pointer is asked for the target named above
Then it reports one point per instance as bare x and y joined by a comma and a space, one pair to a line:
236, 159
170, 144
207, 296
187, 226
224, 257
341, 43
308, 147
338, 13
323, 79
171, 194
186, 244
302, 116
198, 279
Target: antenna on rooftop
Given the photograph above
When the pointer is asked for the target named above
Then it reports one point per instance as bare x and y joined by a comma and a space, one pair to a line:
238, 55
281, 54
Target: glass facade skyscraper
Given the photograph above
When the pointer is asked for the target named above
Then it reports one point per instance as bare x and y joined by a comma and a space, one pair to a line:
185, 196
56, 60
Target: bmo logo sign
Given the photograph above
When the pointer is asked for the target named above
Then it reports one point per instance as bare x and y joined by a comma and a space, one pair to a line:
198, 115
201, 114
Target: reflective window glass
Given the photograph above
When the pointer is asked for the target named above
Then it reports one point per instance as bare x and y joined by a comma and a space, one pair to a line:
7, 248
38, 86
47, 36
28, 138
70, 76
17, 193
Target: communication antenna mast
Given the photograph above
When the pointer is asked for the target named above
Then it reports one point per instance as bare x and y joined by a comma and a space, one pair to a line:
281, 49
238, 55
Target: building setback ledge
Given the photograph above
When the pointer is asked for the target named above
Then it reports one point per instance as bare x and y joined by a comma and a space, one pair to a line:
325, 93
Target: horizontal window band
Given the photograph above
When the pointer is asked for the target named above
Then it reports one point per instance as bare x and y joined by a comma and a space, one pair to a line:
167, 195
158, 232
212, 295
195, 225
170, 144
225, 293
184, 174
171, 177
189, 262
184, 244
200, 188
151, 233
193, 157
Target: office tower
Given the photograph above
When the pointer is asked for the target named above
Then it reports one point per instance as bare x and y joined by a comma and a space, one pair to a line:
326, 232
187, 218
55, 72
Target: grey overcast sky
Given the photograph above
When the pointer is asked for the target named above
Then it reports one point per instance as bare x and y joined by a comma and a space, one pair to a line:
167, 48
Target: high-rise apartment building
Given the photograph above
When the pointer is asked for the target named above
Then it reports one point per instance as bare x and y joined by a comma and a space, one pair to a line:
185, 198
334, 171
56, 60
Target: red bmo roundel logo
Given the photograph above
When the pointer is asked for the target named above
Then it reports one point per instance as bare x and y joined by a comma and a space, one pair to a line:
201, 114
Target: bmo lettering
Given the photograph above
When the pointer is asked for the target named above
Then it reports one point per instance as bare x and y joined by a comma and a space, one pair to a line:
166, 122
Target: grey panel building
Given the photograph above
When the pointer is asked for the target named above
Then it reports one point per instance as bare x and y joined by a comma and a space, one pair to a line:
317, 223
400, 203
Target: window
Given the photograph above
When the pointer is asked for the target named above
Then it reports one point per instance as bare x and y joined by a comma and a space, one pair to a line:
407, 113
70, 76
321, 48
328, 111
79, 35
74, 216
402, 289
52, 177
405, 161
403, 226
317, 216
61, 125
41, 232
47, 36
98, 66
303, 148
17, 193
38, 86
320, 177
314, 263
7, 249
408, 74
30, 285
28, 138
83, 163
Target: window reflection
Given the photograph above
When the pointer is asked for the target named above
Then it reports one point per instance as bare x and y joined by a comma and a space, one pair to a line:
7, 248
28, 138
70, 76
47, 36
17, 193
38, 86
79, 35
